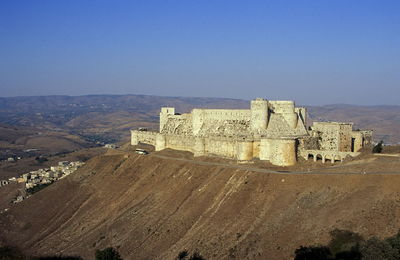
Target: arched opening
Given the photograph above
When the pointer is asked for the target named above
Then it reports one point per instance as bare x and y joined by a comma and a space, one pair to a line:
328, 158
318, 157
310, 157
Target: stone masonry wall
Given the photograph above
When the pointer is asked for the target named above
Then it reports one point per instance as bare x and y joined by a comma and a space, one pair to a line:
143, 137
179, 142
221, 147
278, 151
256, 149
269, 130
329, 135
345, 132
214, 116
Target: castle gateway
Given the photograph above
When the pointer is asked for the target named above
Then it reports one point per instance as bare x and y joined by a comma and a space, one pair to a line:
274, 131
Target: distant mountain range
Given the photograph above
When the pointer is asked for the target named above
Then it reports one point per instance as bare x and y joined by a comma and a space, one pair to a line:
109, 117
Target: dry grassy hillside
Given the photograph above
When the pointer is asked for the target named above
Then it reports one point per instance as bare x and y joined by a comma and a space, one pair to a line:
15, 139
152, 208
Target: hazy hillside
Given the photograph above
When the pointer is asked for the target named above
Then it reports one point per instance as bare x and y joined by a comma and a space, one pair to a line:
108, 118
14, 140
102, 117
152, 208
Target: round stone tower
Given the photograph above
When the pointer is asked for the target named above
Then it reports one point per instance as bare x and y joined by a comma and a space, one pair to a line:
284, 152
279, 151
259, 114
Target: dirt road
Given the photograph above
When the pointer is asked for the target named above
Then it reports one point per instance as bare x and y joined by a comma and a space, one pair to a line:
261, 170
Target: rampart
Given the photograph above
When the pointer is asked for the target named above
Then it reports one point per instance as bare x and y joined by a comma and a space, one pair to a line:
217, 146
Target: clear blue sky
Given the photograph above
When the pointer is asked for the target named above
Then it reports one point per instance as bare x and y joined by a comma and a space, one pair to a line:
315, 52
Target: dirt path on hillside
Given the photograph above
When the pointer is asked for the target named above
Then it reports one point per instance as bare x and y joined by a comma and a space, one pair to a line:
253, 169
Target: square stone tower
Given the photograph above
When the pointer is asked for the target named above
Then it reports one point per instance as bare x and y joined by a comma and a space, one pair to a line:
259, 114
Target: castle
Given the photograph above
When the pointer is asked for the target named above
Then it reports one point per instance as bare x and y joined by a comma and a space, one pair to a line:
274, 131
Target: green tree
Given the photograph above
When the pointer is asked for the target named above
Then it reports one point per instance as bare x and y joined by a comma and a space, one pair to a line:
378, 148
345, 244
313, 253
394, 241
107, 254
352, 254
9, 253
182, 255
196, 256
375, 249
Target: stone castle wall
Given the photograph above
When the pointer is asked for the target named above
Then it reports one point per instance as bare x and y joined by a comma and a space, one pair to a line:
183, 143
259, 111
334, 136
276, 150
220, 114
215, 117
270, 130
328, 134
345, 132
221, 147
143, 137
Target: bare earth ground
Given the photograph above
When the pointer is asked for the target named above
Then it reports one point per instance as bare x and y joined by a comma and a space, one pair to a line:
9, 193
153, 206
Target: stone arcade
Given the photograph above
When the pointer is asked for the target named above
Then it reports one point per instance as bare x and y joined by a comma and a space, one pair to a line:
274, 131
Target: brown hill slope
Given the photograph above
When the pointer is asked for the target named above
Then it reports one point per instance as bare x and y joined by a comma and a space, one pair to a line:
152, 208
